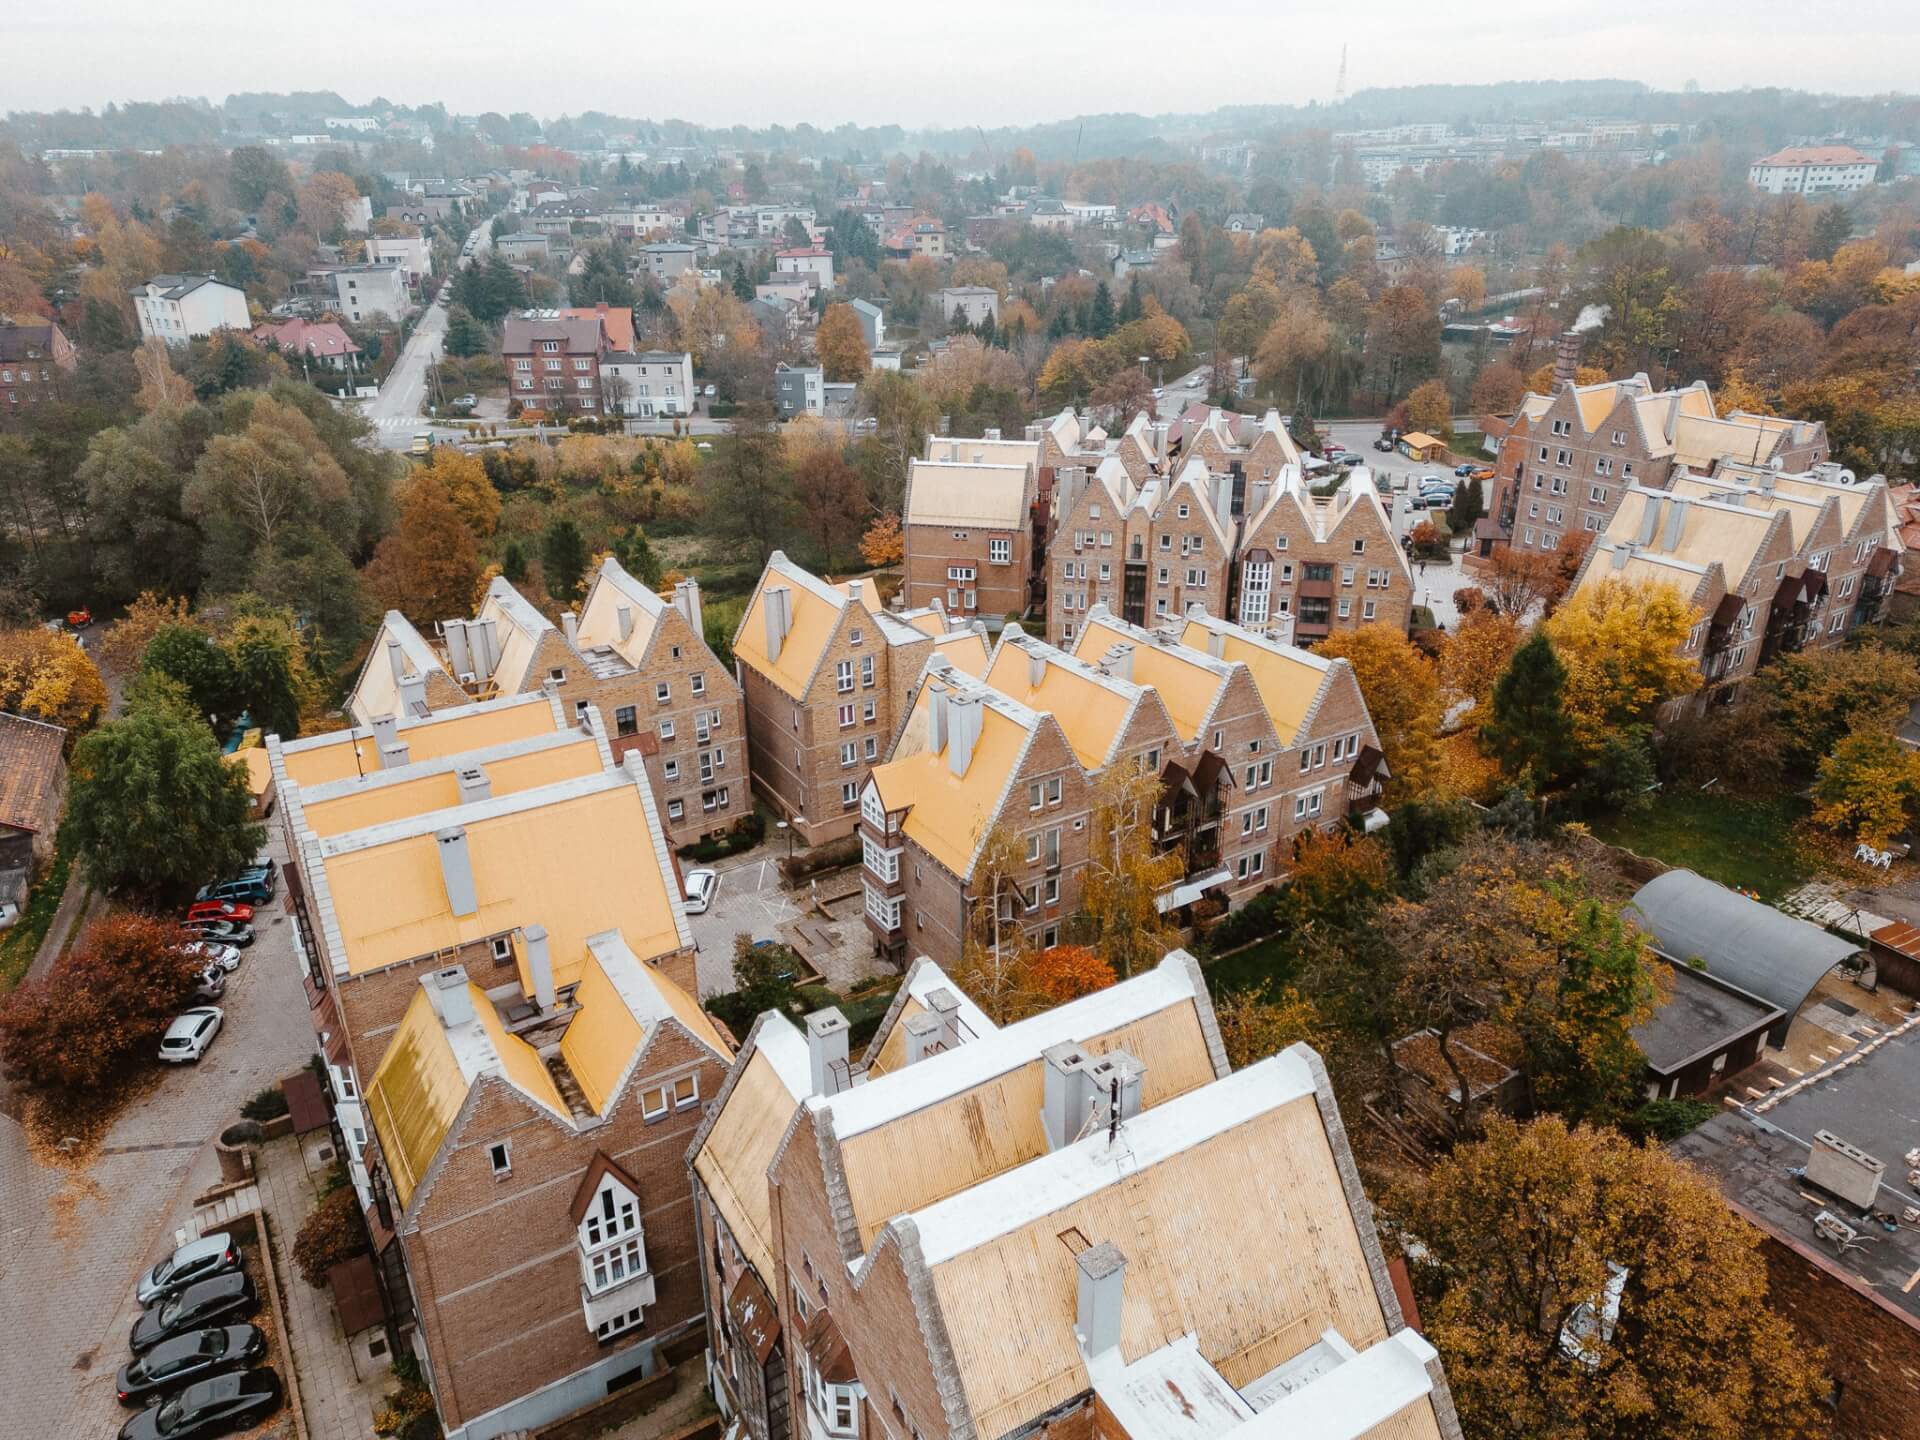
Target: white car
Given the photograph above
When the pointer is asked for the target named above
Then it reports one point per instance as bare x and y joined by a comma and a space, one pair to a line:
191, 1033
224, 956
702, 886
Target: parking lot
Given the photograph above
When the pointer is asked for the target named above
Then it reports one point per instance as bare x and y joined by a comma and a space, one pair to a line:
749, 901
76, 1239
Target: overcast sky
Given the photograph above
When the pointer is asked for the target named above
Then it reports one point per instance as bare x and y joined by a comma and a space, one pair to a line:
985, 62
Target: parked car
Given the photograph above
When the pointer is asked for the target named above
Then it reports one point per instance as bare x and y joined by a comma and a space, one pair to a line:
187, 1358
226, 957
254, 888
217, 1301
702, 886
200, 1259
212, 984
1481, 472
212, 1407
1383, 443
9, 914
235, 910
190, 1034
221, 932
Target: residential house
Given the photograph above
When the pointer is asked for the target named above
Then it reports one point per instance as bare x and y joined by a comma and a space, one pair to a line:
971, 537
649, 384
639, 219
1567, 457
502, 988
937, 1239
33, 785
524, 246
826, 673
919, 236
34, 359
971, 303
1314, 564
563, 217
781, 321
1127, 261
367, 294
553, 360
311, 343
793, 288
616, 322
873, 323
642, 661
179, 308
1244, 222
812, 261
799, 390
411, 253
665, 260
1812, 170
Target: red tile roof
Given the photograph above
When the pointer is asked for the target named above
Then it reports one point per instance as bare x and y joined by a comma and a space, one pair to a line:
30, 768
1815, 155
308, 337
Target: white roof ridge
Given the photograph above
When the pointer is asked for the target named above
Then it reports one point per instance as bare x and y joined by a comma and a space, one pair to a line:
439, 765
473, 812
1004, 1203
623, 580
953, 1072
516, 607
787, 570
412, 722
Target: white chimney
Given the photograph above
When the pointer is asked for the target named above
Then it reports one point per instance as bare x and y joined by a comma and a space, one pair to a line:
396, 661
386, 730
686, 599
454, 633
923, 1037
1115, 1079
1216, 645
1118, 661
777, 604
447, 993
624, 614
456, 869
413, 695
473, 783
486, 654
1065, 1093
1102, 1290
1036, 668
827, 1051
393, 756
963, 718
570, 623
937, 716
945, 1004
1676, 522
539, 964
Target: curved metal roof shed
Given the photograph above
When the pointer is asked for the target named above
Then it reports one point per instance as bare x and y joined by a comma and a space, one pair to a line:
1754, 946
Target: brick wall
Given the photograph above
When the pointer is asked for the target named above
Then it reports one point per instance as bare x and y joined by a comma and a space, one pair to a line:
999, 587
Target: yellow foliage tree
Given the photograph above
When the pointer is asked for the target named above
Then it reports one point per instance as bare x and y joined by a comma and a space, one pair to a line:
464, 478
161, 386
1620, 643
125, 642
1540, 382
1866, 788
1254, 1026
1124, 876
1468, 285
47, 676
1402, 691
1477, 653
1430, 408
885, 543
841, 344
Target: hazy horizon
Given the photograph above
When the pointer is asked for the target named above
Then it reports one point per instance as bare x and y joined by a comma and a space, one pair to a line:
998, 64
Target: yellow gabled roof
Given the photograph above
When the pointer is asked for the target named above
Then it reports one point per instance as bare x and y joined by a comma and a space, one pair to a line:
448, 732
1288, 679
1092, 714
1730, 535
817, 608
950, 813
621, 1003
613, 590
579, 858
733, 1157
967, 650
438, 788
414, 1095
258, 765
1187, 687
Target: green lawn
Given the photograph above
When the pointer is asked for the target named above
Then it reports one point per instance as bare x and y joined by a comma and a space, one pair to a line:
19, 945
1748, 844
1251, 968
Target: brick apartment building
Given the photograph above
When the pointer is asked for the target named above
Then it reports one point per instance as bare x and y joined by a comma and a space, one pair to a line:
1252, 741
642, 661
1321, 563
35, 360
942, 1238
501, 982
973, 536
826, 673
553, 361
1771, 563
1568, 457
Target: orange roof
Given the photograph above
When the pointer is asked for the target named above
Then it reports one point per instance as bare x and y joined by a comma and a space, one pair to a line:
1815, 155
617, 322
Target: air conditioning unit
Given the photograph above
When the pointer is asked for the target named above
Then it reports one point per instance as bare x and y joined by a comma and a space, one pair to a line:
1844, 1170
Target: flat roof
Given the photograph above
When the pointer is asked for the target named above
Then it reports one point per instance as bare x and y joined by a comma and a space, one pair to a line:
1702, 1017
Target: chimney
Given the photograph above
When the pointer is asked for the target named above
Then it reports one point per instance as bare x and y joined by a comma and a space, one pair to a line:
447, 993
963, 719
686, 599
777, 604
1118, 661
1216, 644
396, 661
827, 1051
992, 433
853, 592
945, 1004
570, 623
1676, 522
1101, 1293
937, 717
623, 616
539, 964
1065, 1093
1566, 360
386, 730
1115, 1083
474, 784
413, 695
923, 1037
1673, 417
456, 869
1622, 554
485, 638
454, 633
393, 756
1649, 520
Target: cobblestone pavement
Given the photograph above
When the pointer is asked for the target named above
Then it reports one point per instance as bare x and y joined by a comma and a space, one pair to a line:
75, 1243
750, 901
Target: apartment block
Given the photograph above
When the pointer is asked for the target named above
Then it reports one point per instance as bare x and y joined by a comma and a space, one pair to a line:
553, 360
179, 308
974, 535
501, 981
826, 672
1312, 564
1567, 458
643, 661
942, 1237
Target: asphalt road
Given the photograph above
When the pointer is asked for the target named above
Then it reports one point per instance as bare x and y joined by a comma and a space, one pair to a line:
395, 411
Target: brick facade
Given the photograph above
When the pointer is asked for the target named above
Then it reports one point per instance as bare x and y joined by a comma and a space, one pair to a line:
1326, 562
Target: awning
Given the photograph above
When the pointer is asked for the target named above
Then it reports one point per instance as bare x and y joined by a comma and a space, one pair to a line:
1813, 584
1211, 772
1728, 610
1192, 890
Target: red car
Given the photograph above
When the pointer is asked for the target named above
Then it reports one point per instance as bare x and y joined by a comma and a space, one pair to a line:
235, 910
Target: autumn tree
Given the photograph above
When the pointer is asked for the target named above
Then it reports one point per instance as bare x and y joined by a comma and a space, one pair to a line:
249, 488
323, 202
271, 681
427, 567
1524, 1237
464, 477
841, 344
144, 538
903, 416
1818, 697
1517, 580
1867, 787
125, 642
47, 676
1498, 390
1066, 972
995, 952
1403, 338
1402, 689
884, 542
1620, 643
332, 1232
101, 1006
1125, 876
1430, 408
1257, 1023
830, 500
1477, 653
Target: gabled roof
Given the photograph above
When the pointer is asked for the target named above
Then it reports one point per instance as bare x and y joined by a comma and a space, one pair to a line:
30, 771
1815, 155
817, 608
598, 1169
1290, 680
963, 495
1189, 680
338, 754
521, 629
1685, 536
616, 320
612, 591
744, 1128
1092, 708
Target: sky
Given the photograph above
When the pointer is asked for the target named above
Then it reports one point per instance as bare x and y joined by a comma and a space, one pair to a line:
978, 62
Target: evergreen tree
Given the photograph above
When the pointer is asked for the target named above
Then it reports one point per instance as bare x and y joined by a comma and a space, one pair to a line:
563, 555
513, 563
1466, 507
1134, 307
465, 335
1100, 314
742, 286
633, 552
1530, 732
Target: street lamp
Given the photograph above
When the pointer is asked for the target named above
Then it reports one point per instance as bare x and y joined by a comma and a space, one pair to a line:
1143, 363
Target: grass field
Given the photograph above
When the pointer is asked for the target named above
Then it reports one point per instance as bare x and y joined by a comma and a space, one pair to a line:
1748, 844
1251, 968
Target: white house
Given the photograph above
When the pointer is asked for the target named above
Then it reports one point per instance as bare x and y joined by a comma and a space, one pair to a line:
973, 303
813, 262
873, 324
356, 215
411, 253
1812, 170
649, 385
370, 292
177, 308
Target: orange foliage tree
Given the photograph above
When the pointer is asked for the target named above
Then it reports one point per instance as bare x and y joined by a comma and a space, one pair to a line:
1066, 972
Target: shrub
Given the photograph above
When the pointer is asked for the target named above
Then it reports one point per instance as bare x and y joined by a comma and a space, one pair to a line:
267, 1104
333, 1231
744, 835
1668, 1120
1255, 920
831, 856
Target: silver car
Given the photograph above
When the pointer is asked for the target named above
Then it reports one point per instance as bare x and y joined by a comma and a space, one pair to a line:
196, 1260
702, 886
226, 957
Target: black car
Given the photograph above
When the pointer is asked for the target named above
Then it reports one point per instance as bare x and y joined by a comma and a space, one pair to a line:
187, 1358
211, 1302
213, 1407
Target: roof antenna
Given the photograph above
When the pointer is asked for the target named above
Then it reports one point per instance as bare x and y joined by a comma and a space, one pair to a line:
1113, 1111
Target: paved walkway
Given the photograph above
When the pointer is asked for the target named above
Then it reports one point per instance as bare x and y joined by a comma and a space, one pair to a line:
339, 1404
677, 1413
